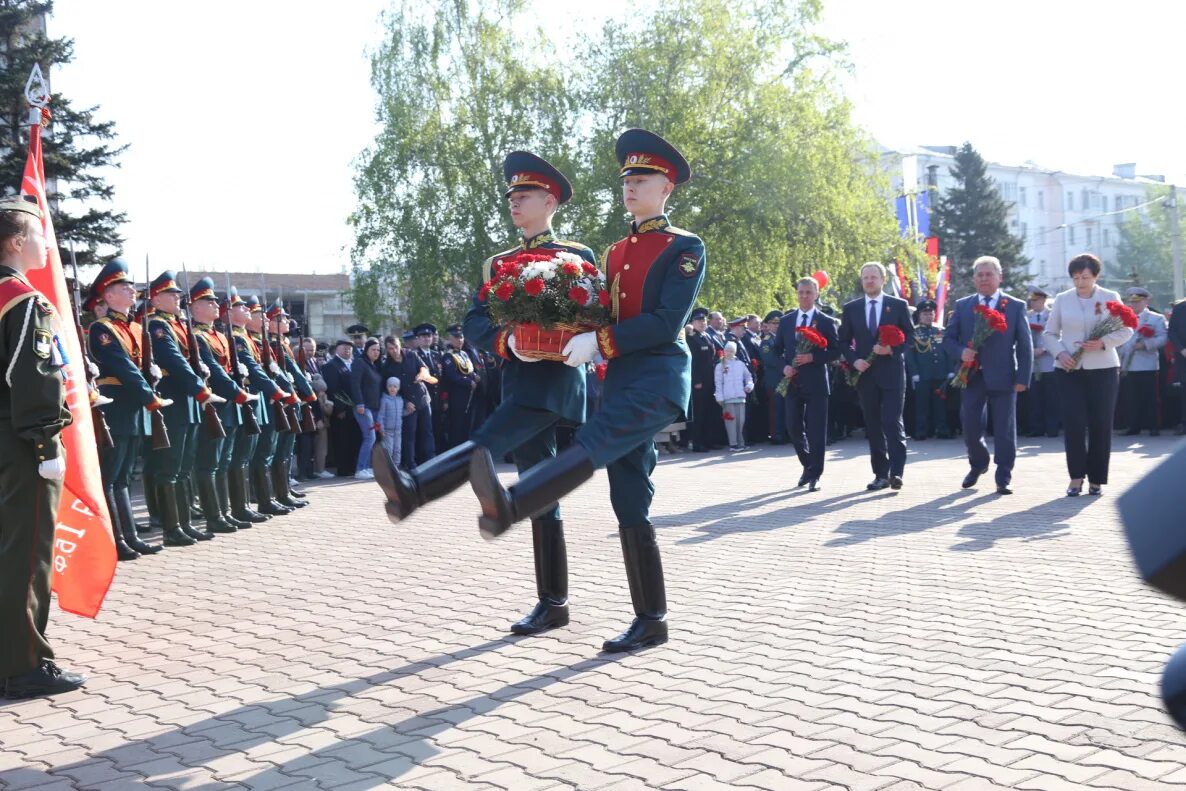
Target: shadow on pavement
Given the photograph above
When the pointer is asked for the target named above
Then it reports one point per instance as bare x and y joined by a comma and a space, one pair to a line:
1047, 521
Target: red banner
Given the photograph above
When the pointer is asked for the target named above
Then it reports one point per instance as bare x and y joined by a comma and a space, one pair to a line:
84, 550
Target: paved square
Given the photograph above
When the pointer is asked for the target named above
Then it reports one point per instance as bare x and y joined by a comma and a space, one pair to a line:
932, 638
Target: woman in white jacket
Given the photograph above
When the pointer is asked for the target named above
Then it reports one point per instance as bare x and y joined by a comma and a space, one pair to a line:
1087, 388
733, 383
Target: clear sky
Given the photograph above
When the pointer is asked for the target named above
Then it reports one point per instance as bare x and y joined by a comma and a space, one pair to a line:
244, 118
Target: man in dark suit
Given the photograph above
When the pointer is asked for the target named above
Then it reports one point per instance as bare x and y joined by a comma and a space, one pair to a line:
882, 386
1001, 370
704, 360
1177, 337
807, 395
344, 435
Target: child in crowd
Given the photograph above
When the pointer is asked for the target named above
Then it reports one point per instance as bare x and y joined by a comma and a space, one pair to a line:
390, 419
733, 384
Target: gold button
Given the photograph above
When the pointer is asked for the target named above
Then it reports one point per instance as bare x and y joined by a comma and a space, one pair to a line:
634, 238
626, 267
40, 444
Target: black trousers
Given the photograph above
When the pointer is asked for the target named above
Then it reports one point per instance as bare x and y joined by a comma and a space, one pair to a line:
699, 430
930, 408
419, 444
807, 424
1140, 400
1042, 405
346, 439
1088, 400
882, 408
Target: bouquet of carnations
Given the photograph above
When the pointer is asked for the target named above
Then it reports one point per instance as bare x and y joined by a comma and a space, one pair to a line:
1145, 332
1118, 317
547, 296
809, 339
887, 335
988, 321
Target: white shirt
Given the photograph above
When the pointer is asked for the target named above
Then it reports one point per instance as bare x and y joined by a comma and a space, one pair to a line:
346, 362
880, 300
992, 301
799, 314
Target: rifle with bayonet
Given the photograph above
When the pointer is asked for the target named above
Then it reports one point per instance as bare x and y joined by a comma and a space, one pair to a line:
160, 434
308, 423
102, 430
210, 419
246, 411
279, 409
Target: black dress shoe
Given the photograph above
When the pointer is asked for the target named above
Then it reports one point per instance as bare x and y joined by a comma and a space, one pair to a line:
643, 633
895, 482
813, 485
1004, 490
1074, 491
878, 484
48, 679
1093, 489
803, 479
546, 615
971, 478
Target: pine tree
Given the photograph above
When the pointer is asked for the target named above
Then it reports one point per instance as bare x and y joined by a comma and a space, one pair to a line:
76, 146
971, 220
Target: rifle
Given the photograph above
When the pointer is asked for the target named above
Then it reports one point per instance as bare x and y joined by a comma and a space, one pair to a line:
293, 411
102, 430
308, 423
246, 411
281, 414
213, 423
160, 434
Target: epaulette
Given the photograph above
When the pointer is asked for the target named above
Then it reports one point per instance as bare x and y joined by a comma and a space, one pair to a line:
674, 231
573, 245
488, 264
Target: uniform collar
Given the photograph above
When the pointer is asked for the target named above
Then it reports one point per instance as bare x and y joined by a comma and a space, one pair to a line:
653, 224
8, 271
200, 326
538, 240
115, 314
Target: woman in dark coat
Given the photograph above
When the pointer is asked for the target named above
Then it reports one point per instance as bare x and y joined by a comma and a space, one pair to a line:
366, 389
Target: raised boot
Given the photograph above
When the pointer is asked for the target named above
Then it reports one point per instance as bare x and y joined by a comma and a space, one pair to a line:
240, 503
280, 487
184, 522
150, 500
223, 494
551, 578
408, 490
196, 512
263, 493
166, 498
122, 550
209, 500
535, 491
123, 504
644, 572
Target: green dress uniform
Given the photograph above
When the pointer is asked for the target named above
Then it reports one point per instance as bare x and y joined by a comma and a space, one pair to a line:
655, 274
536, 398
292, 379
114, 342
243, 445
32, 414
926, 359
187, 390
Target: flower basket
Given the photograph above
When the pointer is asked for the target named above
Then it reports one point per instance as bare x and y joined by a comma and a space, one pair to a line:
532, 340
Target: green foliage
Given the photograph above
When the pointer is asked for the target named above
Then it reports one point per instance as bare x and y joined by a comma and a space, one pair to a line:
1145, 253
76, 146
783, 182
971, 220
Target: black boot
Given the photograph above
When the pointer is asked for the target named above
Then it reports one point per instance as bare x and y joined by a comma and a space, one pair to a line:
293, 489
223, 494
209, 499
644, 572
280, 487
551, 578
184, 522
536, 490
407, 491
122, 550
123, 504
240, 507
150, 500
196, 512
166, 499
263, 493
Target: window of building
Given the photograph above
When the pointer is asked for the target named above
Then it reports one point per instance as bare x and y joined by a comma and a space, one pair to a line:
1041, 199
1089, 235
1107, 238
1117, 203
1070, 234
1025, 232
1070, 201
1021, 195
1009, 191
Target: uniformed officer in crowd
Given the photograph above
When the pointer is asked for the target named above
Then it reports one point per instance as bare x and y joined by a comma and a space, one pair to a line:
655, 275
427, 342
928, 367
419, 444
458, 388
32, 415
1140, 358
482, 364
704, 405
213, 457
187, 390
772, 365
291, 378
358, 337
248, 346
1041, 400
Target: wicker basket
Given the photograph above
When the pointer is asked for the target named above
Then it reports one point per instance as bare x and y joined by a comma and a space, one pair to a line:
532, 340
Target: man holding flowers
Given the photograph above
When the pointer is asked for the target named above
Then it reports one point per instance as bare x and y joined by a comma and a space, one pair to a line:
989, 334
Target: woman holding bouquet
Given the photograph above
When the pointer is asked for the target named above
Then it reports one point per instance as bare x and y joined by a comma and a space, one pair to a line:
1086, 326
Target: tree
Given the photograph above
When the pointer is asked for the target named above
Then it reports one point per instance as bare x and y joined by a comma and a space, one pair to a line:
1145, 252
971, 220
76, 146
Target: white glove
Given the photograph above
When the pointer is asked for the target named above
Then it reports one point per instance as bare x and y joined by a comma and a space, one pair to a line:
92, 369
515, 351
204, 369
155, 371
52, 469
102, 400
914, 379
215, 399
166, 402
275, 369
242, 369
581, 349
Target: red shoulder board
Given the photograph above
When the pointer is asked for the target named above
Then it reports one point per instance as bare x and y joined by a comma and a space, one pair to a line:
13, 291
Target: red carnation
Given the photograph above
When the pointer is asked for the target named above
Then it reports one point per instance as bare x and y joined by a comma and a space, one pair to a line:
484, 291
727, 415
571, 269
987, 322
814, 337
1037, 327
578, 295
603, 298
1124, 313
1146, 332
504, 290
589, 269
601, 369
889, 335
534, 287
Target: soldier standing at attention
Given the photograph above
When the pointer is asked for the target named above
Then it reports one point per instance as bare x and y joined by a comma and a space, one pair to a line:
294, 380
245, 354
272, 390
32, 414
114, 342
655, 274
1139, 362
928, 367
459, 388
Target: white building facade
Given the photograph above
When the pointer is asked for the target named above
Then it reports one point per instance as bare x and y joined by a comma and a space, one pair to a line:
1056, 214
